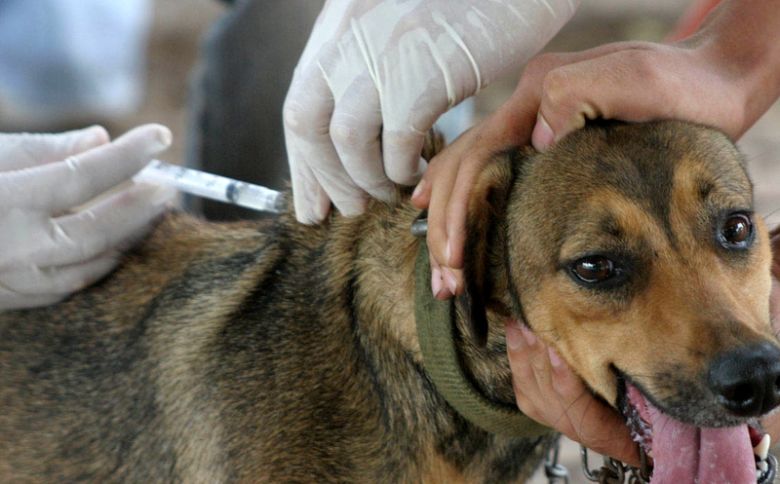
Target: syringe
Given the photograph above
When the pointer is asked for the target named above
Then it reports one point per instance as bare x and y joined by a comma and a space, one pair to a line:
211, 186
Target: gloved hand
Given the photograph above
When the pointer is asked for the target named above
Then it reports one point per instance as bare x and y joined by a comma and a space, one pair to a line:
48, 250
375, 76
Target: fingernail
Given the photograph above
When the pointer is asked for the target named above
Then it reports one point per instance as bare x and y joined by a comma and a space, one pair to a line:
450, 280
419, 189
448, 253
514, 338
436, 281
530, 337
555, 358
542, 136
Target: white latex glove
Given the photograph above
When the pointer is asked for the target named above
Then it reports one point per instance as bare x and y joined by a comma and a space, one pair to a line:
48, 250
375, 76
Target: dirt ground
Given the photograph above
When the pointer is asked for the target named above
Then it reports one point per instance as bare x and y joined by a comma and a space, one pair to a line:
179, 25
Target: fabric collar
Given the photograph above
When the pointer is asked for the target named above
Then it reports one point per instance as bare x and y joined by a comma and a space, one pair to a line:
436, 333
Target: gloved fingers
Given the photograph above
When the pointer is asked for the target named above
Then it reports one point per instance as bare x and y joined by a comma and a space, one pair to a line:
57, 187
10, 300
356, 129
54, 282
305, 116
401, 149
341, 189
309, 199
24, 150
113, 222
314, 163
405, 128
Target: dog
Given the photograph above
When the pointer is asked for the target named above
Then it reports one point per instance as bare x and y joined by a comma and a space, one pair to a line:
277, 352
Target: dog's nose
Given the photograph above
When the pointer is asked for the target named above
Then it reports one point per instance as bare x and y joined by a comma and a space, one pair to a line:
747, 381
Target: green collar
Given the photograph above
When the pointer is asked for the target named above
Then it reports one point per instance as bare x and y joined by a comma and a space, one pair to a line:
436, 333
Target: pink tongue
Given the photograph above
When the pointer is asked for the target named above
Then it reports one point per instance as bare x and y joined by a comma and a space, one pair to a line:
685, 454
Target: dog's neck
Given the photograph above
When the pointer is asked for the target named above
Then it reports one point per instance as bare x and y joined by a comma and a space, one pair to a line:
385, 258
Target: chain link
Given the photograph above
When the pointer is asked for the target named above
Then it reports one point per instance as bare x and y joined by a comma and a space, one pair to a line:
553, 470
615, 472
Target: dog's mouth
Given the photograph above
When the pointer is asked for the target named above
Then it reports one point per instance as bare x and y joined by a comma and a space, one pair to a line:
682, 452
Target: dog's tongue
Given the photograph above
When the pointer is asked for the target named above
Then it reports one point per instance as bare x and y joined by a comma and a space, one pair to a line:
683, 453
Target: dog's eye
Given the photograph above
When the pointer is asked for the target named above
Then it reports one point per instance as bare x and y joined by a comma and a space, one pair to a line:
736, 231
594, 269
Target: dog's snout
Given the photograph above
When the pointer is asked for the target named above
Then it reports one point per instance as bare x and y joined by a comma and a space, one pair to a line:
746, 381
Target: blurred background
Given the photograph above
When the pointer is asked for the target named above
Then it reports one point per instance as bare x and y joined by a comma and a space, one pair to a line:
216, 72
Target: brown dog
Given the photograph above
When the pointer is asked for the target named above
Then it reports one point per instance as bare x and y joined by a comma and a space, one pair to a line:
281, 352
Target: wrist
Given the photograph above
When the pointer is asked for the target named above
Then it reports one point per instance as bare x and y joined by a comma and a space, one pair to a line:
735, 46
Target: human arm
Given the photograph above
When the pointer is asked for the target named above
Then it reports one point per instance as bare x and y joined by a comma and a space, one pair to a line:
56, 238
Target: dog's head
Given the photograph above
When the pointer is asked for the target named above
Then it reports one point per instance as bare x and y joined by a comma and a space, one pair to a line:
634, 250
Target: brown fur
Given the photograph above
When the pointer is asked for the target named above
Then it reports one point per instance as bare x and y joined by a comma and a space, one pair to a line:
281, 352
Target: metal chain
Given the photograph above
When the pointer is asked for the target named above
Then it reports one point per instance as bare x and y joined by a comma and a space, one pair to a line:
615, 472
553, 470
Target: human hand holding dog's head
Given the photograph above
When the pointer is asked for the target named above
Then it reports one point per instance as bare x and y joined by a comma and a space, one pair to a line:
56, 238
711, 79
446, 186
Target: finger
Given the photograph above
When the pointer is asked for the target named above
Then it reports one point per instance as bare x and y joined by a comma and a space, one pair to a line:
314, 162
57, 187
355, 129
403, 136
441, 176
538, 360
613, 86
438, 286
348, 198
456, 211
453, 280
24, 150
55, 282
102, 226
523, 377
590, 421
311, 202
304, 115
402, 160
10, 300
421, 196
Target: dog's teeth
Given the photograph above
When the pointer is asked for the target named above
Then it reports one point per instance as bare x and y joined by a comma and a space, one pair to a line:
763, 466
762, 449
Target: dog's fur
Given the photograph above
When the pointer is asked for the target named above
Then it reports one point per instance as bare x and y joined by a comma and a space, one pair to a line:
282, 352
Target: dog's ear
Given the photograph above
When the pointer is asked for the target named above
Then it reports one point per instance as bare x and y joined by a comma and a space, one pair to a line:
484, 241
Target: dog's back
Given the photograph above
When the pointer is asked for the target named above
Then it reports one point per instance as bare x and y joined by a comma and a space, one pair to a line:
236, 352
83, 393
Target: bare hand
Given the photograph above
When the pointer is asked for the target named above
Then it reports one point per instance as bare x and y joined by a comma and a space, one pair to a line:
557, 93
550, 393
